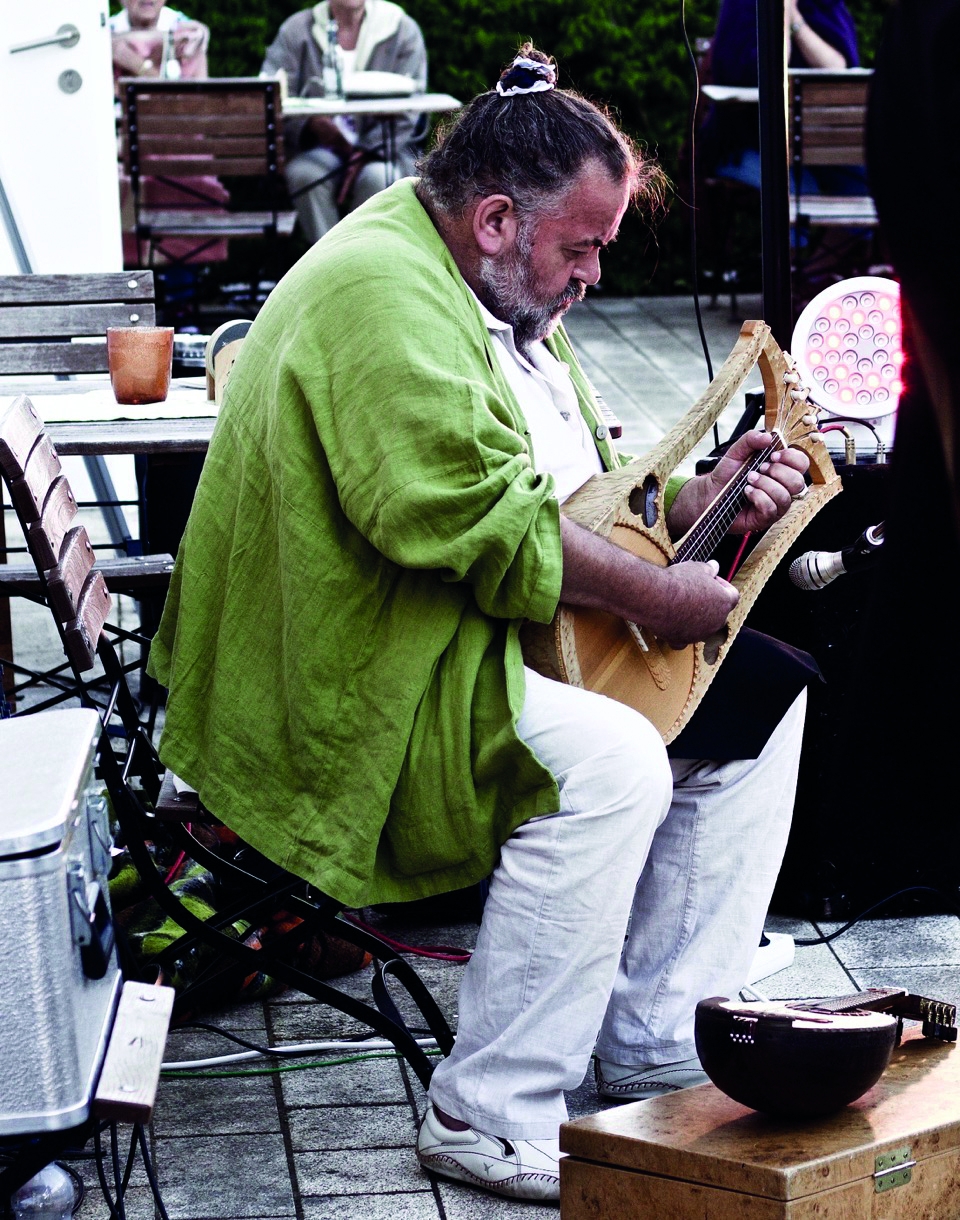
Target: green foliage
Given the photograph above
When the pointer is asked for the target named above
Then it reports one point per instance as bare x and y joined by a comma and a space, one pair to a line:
630, 55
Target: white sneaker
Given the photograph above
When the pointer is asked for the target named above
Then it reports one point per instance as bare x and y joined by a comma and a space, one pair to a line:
522, 1169
620, 1082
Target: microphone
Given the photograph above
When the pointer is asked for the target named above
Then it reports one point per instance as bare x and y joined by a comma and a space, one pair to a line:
815, 569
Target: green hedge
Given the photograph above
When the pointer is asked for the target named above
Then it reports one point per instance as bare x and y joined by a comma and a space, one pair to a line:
630, 55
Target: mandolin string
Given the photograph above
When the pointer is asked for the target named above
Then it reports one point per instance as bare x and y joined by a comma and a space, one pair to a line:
705, 537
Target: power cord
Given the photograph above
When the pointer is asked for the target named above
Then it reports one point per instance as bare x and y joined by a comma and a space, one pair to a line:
368, 1048
910, 889
693, 199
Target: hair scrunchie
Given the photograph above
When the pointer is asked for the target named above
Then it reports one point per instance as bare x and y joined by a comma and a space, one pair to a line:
526, 76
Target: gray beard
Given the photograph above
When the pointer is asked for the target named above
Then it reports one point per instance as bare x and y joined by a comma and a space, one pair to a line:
506, 289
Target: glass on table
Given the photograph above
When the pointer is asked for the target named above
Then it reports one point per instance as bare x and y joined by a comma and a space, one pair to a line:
140, 361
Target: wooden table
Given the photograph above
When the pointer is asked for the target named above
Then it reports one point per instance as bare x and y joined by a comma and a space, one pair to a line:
83, 418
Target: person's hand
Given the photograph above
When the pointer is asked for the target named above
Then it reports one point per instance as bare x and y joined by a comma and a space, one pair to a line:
771, 489
325, 132
680, 603
189, 39
693, 601
137, 53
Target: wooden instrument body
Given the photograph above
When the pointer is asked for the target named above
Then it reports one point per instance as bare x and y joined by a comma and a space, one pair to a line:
599, 651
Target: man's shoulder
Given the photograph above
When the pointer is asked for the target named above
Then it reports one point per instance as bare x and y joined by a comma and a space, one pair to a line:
298, 25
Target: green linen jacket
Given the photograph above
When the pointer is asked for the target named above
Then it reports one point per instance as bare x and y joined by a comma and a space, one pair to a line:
340, 639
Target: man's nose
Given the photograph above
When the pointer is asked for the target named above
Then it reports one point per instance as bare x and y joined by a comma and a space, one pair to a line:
588, 267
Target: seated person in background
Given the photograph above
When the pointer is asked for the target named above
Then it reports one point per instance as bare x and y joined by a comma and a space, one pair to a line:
378, 514
334, 164
151, 39
822, 35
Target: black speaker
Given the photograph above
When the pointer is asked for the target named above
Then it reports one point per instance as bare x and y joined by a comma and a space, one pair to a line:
820, 873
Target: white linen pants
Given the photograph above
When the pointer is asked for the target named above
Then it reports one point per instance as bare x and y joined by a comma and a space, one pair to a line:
685, 854
317, 209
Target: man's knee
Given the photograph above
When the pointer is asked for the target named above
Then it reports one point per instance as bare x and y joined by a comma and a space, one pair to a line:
622, 761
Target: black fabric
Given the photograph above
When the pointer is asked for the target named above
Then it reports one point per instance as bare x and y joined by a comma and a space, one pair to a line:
757, 681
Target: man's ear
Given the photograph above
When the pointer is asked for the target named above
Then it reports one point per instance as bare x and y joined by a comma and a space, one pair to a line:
495, 224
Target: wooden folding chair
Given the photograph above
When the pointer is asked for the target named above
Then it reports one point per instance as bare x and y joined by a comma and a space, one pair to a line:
828, 112
155, 822
183, 132
61, 551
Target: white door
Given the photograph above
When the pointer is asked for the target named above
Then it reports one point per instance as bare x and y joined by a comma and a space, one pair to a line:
59, 203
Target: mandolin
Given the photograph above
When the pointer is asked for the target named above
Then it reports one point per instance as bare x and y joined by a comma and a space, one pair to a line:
626, 661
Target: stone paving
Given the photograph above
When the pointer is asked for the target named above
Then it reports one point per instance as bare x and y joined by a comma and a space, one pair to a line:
335, 1142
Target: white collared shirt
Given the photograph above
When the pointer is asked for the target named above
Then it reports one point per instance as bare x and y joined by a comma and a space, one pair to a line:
560, 436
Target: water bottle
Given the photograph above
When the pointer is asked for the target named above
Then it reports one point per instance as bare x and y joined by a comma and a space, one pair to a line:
49, 1195
332, 64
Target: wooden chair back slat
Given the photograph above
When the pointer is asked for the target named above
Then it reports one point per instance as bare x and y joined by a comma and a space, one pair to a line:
90, 357
186, 166
83, 634
179, 102
828, 114
20, 429
66, 579
74, 321
208, 144
30, 493
45, 536
78, 289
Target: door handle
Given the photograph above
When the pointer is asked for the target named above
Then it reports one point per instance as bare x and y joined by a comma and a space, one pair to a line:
67, 36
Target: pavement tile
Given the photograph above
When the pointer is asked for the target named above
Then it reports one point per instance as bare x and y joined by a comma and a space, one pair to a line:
815, 972
920, 940
219, 1105
408, 1206
373, 1080
359, 1171
339, 1127
224, 1177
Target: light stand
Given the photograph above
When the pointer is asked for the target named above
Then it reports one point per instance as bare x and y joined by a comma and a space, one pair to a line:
774, 171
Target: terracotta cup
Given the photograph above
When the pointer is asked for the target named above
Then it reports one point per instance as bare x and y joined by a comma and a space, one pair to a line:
140, 359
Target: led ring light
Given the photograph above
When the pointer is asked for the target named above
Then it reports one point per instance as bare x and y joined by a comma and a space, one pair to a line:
847, 347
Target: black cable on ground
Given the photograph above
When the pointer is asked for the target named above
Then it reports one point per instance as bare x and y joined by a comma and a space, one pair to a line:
910, 889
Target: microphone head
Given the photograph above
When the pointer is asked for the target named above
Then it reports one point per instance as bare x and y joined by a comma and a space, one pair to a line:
814, 569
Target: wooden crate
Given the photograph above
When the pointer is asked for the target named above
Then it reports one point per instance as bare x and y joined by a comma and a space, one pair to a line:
698, 1155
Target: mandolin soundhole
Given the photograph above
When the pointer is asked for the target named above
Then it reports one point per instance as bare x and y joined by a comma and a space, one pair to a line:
712, 645
643, 501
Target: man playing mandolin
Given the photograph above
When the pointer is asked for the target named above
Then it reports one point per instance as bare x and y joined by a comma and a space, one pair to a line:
378, 516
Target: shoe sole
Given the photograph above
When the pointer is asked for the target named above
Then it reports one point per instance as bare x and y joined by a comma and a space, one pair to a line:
533, 1186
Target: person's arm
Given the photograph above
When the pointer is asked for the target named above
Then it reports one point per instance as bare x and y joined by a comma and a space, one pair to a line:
409, 58
190, 42
288, 52
816, 51
684, 602
137, 53
681, 603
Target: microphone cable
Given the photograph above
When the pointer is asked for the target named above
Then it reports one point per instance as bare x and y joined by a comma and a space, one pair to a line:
694, 271
827, 937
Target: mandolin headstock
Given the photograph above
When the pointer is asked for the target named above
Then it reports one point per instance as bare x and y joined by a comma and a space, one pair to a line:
789, 411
